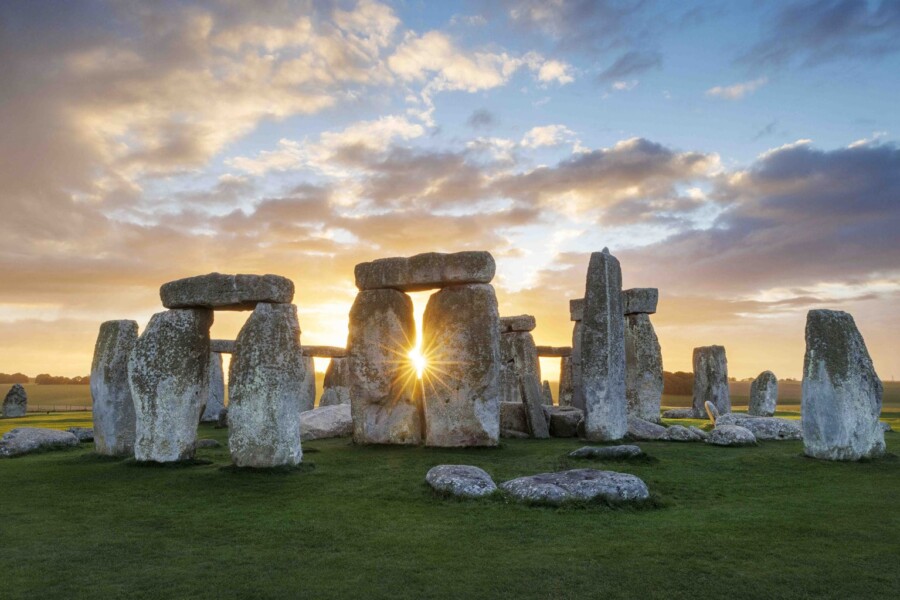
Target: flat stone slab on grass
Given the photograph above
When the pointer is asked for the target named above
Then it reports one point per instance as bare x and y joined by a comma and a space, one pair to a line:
24, 440
639, 429
680, 433
609, 452
425, 271
680, 413
731, 435
464, 481
326, 422
577, 484
765, 428
84, 434
226, 292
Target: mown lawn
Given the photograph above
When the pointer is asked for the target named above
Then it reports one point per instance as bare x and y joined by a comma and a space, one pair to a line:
359, 522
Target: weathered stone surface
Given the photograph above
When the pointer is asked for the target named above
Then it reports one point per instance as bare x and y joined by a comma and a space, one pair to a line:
462, 396
643, 368
679, 413
222, 422
565, 381
764, 428
640, 301
383, 397
885, 426
509, 433
326, 422
84, 434
577, 484
577, 385
517, 323
24, 440
519, 378
215, 400
512, 417
336, 387
546, 393
680, 433
554, 351
731, 435
463, 481
112, 404
607, 452
603, 350
15, 404
639, 429
841, 397
520, 346
563, 420
308, 397
265, 389
325, 351
168, 373
222, 346
226, 292
208, 444
425, 271
533, 400
710, 379
703, 435
576, 309
711, 411
763, 395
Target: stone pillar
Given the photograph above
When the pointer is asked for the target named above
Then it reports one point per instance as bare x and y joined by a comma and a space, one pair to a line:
265, 389
643, 368
168, 374
383, 383
15, 404
603, 350
461, 330
521, 370
215, 401
336, 387
763, 395
308, 397
710, 380
841, 398
576, 312
565, 381
547, 393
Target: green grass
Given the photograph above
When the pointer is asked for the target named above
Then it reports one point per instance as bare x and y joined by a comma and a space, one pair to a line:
359, 522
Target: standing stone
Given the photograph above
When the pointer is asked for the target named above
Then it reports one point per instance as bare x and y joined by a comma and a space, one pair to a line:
643, 368
215, 401
16, 402
763, 395
383, 383
168, 373
603, 350
336, 387
520, 378
547, 394
710, 380
265, 389
461, 326
841, 397
113, 407
577, 383
564, 396
308, 398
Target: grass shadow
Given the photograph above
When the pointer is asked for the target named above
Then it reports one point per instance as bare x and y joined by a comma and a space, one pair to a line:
282, 470
180, 464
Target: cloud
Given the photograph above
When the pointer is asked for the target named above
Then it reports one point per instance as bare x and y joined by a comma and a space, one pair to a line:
633, 62
547, 135
481, 118
738, 90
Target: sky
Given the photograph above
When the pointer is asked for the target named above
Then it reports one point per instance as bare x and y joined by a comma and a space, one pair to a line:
742, 157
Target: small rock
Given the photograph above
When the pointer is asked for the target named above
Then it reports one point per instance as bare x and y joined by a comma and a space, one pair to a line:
885, 426
326, 422
731, 435
703, 435
563, 420
84, 434
208, 444
16, 402
463, 481
680, 433
639, 429
607, 452
24, 440
577, 484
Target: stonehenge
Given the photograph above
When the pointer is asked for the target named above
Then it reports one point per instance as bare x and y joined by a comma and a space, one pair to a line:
112, 404
15, 404
215, 399
428, 271
710, 380
520, 371
763, 395
226, 292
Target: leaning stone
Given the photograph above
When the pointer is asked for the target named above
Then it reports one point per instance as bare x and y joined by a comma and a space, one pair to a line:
222, 346
326, 422
680, 433
463, 481
16, 402
24, 440
711, 411
640, 301
603, 350
763, 395
207, 444
554, 351
84, 434
710, 380
215, 401
519, 376
565, 381
227, 292
679, 413
577, 484
703, 435
841, 396
546, 393
576, 309
563, 420
643, 368
325, 351
425, 271
533, 400
265, 389
765, 428
383, 397
517, 323
462, 405
113, 406
308, 397
336, 387
639, 429
168, 372
731, 435
512, 417
607, 452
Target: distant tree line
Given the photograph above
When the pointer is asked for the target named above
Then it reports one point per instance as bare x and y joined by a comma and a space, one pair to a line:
14, 378
678, 383
47, 379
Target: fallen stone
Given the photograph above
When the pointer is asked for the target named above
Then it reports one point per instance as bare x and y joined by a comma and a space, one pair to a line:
336, 386
643, 368
461, 325
512, 417
639, 429
710, 380
16, 402
841, 395
576, 309
222, 346
226, 292
577, 484
84, 434
565, 381
265, 389
326, 422
563, 420
24, 440
215, 400
703, 435
425, 271
509, 433
554, 351
325, 351
383, 396
308, 397
607, 452
517, 323
763, 395
679, 413
764, 428
711, 411
680, 433
731, 435
640, 301
207, 444
112, 404
463, 481
168, 371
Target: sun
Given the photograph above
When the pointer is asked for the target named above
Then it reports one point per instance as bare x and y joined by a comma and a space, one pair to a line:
418, 361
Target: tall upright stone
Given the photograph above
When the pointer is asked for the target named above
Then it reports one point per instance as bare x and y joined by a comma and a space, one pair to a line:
112, 405
577, 383
308, 397
565, 381
168, 372
383, 395
710, 380
461, 329
603, 350
841, 397
643, 368
15, 404
336, 387
763, 395
215, 401
547, 393
265, 389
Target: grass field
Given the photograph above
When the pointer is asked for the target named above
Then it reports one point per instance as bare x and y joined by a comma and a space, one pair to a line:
359, 522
